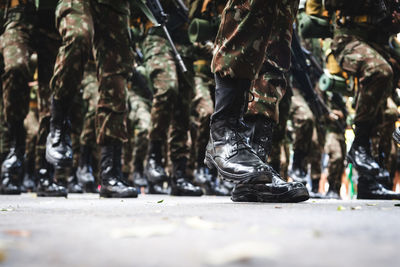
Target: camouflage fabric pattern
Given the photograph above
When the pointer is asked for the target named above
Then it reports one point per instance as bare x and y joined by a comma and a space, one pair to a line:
374, 73
245, 33
172, 94
335, 148
202, 108
90, 87
16, 47
79, 22
138, 128
4, 143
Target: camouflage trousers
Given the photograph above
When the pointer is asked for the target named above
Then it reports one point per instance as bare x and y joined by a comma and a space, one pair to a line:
170, 112
202, 108
4, 144
335, 148
82, 24
16, 47
375, 75
306, 137
139, 121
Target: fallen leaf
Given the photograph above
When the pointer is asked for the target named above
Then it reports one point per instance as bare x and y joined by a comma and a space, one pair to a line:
160, 201
2, 255
371, 204
18, 233
241, 252
278, 207
340, 208
356, 208
7, 209
199, 223
317, 233
143, 231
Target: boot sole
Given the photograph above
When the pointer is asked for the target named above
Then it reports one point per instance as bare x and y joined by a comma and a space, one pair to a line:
5, 192
115, 195
293, 196
236, 178
38, 194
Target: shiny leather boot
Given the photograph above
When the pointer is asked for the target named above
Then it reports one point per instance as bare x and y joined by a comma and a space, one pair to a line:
154, 170
46, 185
58, 144
369, 188
228, 149
360, 152
12, 169
84, 173
298, 173
260, 134
112, 182
180, 183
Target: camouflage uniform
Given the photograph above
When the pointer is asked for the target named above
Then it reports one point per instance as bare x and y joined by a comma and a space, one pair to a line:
138, 126
81, 22
173, 91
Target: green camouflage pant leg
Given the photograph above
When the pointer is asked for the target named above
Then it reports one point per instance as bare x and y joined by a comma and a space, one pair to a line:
172, 96
160, 66
90, 87
269, 88
314, 156
114, 57
202, 108
75, 25
242, 38
16, 49
374, 73
335, 148
4, 144
303, 122
141, 120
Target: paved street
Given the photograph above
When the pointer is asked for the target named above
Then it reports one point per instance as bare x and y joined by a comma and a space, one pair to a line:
84, 230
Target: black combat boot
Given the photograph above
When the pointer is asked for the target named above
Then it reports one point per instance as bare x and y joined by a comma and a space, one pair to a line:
84, 173
360, 151
73, 185
260, 134
12, 169
29, 180
139, 179
298, 171
58, 144
228, 149
369, 188
112, 182
154, 171
180, 183
46, 185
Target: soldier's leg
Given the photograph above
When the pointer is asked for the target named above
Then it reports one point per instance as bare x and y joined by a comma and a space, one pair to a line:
160, 66
303, 124
127, 149
178, 147
114, 60
31, 123
335, 148
75, 25
16, 49
314, 157
47, 43
85, 173
4, 144
375, 77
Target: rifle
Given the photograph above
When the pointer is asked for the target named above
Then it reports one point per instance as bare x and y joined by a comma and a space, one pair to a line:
161, 19
300, 69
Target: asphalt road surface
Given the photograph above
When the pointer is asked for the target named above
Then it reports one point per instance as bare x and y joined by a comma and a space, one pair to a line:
84, 230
